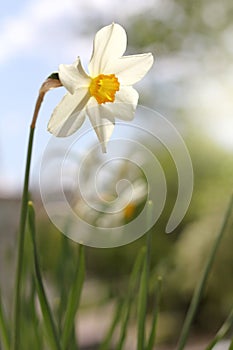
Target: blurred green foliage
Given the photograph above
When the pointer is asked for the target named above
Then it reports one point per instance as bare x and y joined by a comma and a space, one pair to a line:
179, 256
179, 25
192, 29
187, 29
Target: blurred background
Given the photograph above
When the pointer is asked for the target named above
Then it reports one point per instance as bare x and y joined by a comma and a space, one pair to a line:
191, 83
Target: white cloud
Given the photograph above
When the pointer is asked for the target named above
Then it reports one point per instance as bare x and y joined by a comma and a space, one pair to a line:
43, 26
33, 26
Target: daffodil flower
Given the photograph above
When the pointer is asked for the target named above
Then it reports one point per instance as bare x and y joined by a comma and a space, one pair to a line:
106, 92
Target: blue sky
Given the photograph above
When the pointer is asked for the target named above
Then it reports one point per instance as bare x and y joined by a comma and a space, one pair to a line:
37, 35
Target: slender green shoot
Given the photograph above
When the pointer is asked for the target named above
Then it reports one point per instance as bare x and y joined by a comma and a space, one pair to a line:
61, 273
107, 340
144, 284
34, 314
152, 335
44, 304
227, 325
23, 216
74, 299
142, 305
231, 345
4, 329
202, 282
133, 281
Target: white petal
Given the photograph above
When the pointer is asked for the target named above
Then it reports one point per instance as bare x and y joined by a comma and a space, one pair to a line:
73, 76
123, 107
102, 125
109, 43
69, 114
130, 69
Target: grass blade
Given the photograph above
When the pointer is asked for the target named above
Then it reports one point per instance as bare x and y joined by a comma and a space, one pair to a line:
62, 267
15, 344
142, 305
4, 330
47, 314
74, 299
129, 298
202, 282
35, 319
152, 335
106, 342
144, 283
222, 331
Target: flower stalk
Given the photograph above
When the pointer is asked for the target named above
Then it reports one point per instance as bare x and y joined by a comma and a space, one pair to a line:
51, 82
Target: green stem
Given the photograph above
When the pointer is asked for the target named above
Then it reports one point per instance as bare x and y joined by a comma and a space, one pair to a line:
105, 345
4, 330
19, 268
49, 83
126, 308
202, 282
231, 345
144, 284
142, 300
34, 314
152, 335
62, 267
74, 299
222, 331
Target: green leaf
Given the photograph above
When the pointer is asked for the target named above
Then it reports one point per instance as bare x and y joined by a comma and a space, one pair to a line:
142, 305
74, 299
144, 283
4, 329
152, 335
45, 308
106, 342
227, 325
202, 282
133, 281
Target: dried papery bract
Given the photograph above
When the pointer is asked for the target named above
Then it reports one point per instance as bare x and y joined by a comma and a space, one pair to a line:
50, 83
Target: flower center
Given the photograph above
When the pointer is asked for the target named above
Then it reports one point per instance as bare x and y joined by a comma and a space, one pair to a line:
104, 88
